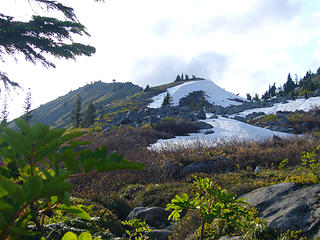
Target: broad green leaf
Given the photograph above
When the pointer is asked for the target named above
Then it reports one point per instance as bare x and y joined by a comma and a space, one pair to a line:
76, 211
69, 236
85, 236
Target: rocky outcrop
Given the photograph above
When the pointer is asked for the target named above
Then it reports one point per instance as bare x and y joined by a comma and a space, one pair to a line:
159, 234
205, 167
287, 206
155, 217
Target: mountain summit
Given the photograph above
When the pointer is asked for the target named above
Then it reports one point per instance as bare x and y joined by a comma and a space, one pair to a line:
214, 94
57, 113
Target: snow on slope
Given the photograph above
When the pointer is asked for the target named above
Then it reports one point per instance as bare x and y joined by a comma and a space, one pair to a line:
299, 104
225, 129
215, 94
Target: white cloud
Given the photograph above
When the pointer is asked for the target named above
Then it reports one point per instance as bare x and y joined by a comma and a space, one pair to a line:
242, 45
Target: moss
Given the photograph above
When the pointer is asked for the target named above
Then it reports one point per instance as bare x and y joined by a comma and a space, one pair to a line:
161, 194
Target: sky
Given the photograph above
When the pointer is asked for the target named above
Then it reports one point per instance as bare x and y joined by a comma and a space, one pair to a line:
243, 46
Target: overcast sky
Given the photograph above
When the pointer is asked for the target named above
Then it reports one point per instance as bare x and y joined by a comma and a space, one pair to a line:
243, 46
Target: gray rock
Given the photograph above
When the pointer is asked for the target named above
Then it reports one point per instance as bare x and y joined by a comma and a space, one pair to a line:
106, 128
133, 116
306, 126
286, 206
316, 113
153, 120
316, 93
279, 128
231, 238
213, 116
201, 114
241, 119
159, 234
209, 132
206, 166
185, 109
202, 125
275, 138
284, 121
258, 169
154, 216
281, 114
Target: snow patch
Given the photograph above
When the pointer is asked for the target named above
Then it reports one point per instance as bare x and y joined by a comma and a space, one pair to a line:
292, 106
225, 129
216, 95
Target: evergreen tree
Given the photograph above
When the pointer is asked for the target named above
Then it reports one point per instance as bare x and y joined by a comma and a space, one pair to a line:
256, 97
167, 100
187, 77
178, 78
289, 85
147, 88
27, 116
272, 90
90, 115
41, 36
76, 113
182, 77
4, 112
249, 97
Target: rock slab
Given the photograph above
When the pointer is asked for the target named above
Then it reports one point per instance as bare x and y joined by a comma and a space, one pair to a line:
287, 206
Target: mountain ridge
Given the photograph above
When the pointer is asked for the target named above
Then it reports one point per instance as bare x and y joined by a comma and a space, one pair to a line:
56, 113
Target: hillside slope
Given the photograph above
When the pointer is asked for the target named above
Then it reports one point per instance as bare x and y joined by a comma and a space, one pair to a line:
215, 94
57, 112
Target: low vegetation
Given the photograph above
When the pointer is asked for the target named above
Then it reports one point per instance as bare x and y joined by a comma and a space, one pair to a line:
111, 196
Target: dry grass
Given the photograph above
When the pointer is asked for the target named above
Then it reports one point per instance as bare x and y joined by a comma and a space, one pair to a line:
162, 166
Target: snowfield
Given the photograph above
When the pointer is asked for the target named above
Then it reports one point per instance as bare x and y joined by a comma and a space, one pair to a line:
216, 95
225, 129
292, 106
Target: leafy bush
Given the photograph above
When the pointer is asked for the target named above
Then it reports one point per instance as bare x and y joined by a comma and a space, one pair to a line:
160, 194
138, 229
34, 171
73, 236
270, 118
211, 203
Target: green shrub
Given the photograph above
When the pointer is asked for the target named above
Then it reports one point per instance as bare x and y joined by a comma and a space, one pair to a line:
211, 203
270, 118
33, 183
83, 236
160, 194
138, 229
